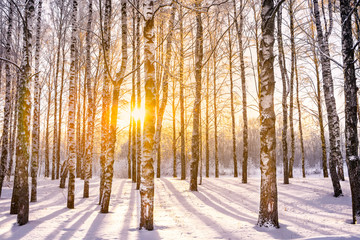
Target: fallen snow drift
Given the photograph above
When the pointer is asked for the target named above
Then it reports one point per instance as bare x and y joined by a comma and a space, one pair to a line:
223, 208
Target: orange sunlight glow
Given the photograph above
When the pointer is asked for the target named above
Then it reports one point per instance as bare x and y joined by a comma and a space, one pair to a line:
138, 114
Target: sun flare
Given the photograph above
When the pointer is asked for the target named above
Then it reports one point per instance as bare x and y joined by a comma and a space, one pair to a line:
138, 114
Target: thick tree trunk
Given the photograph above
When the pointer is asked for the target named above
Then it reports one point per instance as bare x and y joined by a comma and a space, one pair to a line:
72, 104
105, 118
333, 119
284, 78
24, 115
147, 164
110, 157
350, 90
7, 106
36, 117
194, 164
268, 213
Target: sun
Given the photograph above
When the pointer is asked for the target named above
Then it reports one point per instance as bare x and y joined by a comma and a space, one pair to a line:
138, 114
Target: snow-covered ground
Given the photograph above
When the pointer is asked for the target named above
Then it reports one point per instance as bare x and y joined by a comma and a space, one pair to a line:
223, 208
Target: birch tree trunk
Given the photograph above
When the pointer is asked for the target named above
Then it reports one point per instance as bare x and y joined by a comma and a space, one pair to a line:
55, 131
182, 107
350, 90
319, 105
233, 126
7, 106
292, 75
333, 119
71, 116
147, 164
36, 116
165, 83
14, 129
47, 133
24, 115
138, 87
207, 125
268, 213
239, 29
174, 129
90, 115
14, 207
285, 81
78, 163
215, 90
109, 163
132, 101
105, 118
58, 143
133, 98
194, 164
300, 122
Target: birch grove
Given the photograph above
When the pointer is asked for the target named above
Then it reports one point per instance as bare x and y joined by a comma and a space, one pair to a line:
180, 95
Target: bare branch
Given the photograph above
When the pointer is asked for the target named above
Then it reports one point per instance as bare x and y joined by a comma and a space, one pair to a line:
11, 62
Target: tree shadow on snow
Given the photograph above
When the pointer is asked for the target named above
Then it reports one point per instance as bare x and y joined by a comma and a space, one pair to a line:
205, 219
20, 231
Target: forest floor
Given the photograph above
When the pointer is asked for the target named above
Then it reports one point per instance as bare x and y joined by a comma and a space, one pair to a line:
223, 208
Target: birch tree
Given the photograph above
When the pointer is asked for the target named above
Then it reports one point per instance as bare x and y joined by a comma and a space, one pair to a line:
138, 87
239, 30
285, 93
350, 89
328, 85
105, 117
165, 85
91, 105
7, 106
194, 164
23, 123
109, 163
36, 116
291, 88
319, 101
268, 213
147, 163
182, 106
72, 104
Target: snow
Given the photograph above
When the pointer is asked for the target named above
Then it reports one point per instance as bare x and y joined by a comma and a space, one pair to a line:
353, 158
223, 208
